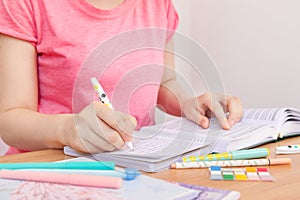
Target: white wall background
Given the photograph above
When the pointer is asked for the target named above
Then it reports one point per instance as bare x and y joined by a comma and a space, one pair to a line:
255, 44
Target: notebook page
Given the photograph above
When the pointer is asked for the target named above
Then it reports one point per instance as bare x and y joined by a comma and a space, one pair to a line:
157, 142
161, 142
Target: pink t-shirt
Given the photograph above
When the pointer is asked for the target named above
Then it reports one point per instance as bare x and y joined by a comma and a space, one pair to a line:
75, 41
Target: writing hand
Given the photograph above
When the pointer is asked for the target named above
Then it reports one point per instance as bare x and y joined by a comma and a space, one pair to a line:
99, 129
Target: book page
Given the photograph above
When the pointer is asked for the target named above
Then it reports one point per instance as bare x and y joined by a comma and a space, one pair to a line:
245, 134
268, 115
286, 120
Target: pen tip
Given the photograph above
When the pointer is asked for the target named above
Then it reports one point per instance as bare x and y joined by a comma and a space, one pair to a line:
130, 146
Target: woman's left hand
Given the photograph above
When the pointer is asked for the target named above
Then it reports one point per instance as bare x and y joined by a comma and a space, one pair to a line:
200, 109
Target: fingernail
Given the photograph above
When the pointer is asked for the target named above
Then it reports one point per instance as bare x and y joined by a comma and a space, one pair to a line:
203, 123
226, 125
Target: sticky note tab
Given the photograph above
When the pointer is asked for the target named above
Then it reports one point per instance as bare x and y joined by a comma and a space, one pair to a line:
262, 169
250, 169
216, 174
241, 177
238, 170
266, 178
264, 174
215, 168
228, 175
253, 176
216, 177
240, 174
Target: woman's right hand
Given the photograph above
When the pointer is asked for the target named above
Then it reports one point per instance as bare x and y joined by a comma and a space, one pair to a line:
97, 128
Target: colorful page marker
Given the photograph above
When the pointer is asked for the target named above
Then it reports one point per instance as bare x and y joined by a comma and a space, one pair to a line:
233, 155
241, 174
72, 179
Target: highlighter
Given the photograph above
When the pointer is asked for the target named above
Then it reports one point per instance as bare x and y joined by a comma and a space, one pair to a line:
232, 155
61, 165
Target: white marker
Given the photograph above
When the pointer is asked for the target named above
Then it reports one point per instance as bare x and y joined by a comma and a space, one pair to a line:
289, 149
100, 92
104, 99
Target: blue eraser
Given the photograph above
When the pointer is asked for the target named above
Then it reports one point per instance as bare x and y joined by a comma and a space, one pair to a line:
131, 174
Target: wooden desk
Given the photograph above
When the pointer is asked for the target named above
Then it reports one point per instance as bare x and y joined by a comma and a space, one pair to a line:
287, 184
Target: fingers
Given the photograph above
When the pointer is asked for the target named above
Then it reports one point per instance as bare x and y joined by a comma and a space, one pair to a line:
90, 142
101, 129
218, 105
235, 109
229, 104
210, 104
220, 115
86, 139
123, 123
199, 118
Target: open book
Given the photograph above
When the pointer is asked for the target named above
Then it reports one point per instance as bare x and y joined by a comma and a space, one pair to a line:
268, 125
156, 147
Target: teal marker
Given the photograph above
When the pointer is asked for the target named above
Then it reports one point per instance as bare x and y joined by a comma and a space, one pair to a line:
233, 155
61, 165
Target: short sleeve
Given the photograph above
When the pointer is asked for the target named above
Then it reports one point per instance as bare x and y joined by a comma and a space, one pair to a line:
173, 19
17, 20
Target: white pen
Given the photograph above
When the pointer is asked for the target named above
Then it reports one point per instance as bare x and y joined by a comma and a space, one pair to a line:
288, 149
104, 99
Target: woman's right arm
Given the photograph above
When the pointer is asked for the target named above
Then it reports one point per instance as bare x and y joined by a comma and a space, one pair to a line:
95, 129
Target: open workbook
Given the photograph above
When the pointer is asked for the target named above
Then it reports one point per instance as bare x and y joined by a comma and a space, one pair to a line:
156, 147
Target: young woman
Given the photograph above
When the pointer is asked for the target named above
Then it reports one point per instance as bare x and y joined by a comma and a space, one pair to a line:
43, 45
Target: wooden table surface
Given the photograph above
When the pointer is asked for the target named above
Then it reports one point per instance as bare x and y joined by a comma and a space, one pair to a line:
285, 186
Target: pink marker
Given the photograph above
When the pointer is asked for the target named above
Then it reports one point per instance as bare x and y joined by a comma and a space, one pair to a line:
72, 179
